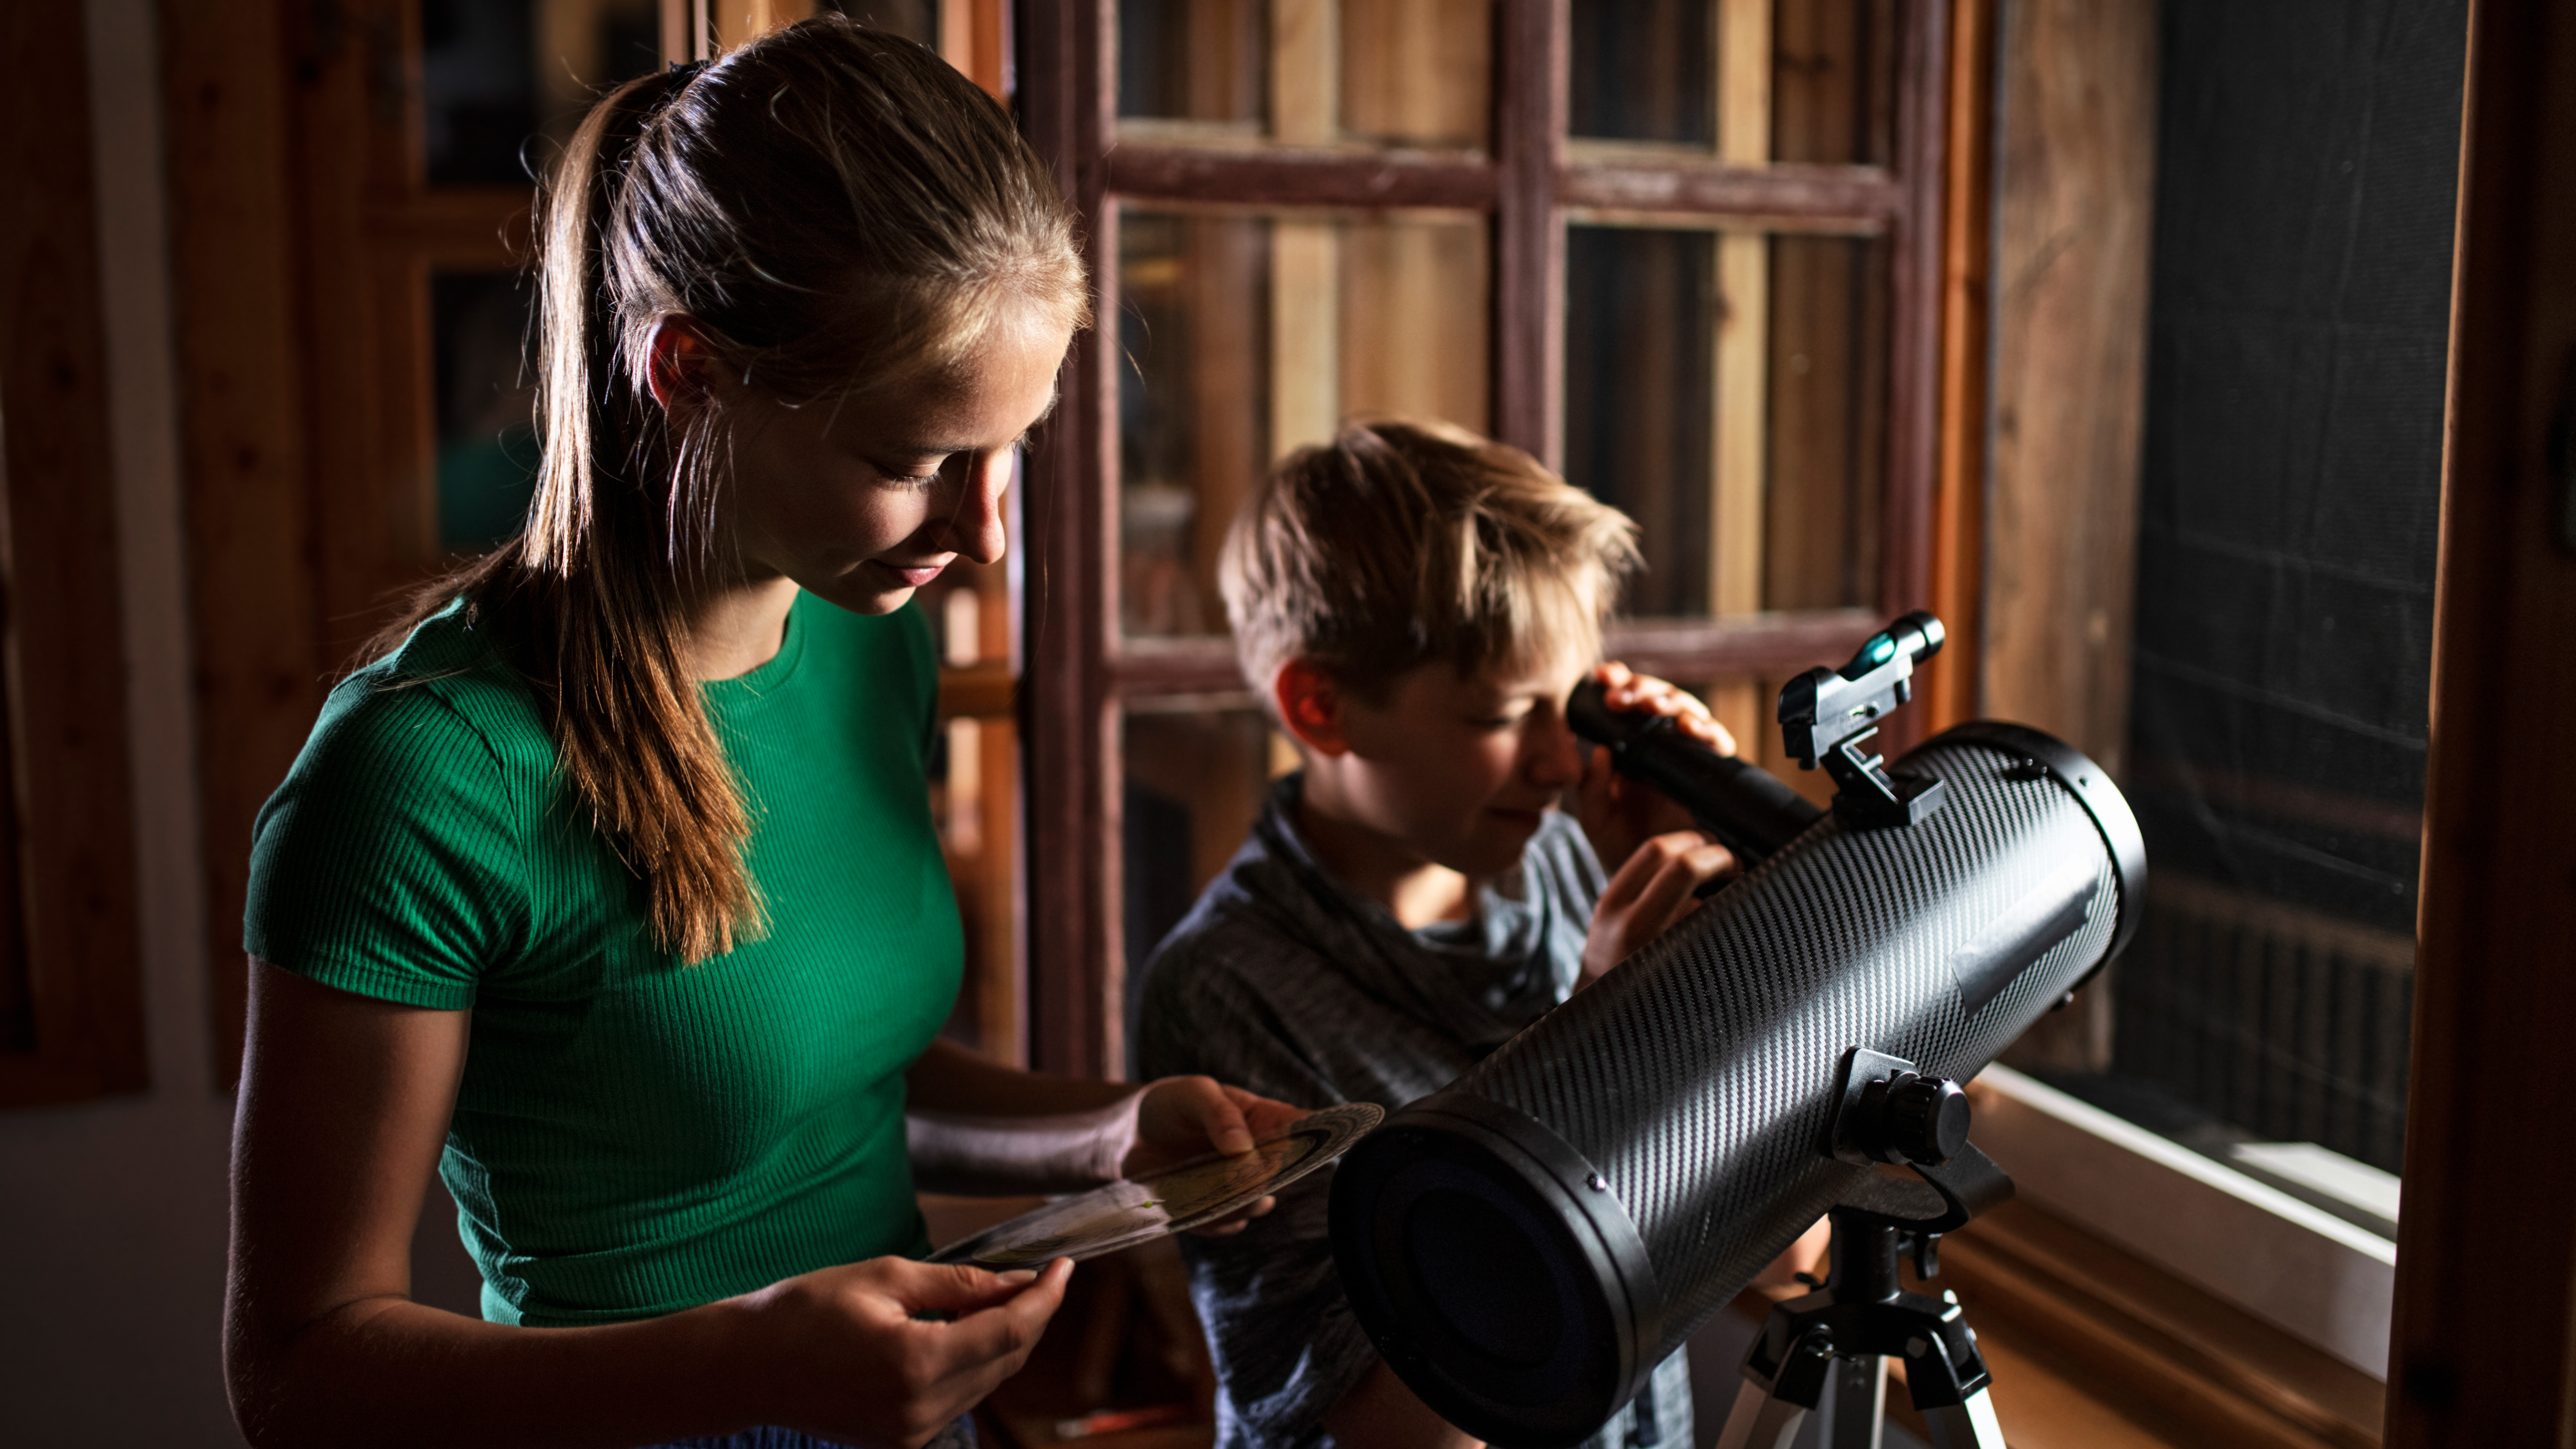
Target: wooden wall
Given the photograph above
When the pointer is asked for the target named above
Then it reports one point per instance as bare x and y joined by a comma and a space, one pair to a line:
70, 991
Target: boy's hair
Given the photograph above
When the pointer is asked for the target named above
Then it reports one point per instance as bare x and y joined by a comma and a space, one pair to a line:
1403, 543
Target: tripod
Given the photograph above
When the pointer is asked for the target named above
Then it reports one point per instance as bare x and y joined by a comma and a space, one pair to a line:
1829, 1350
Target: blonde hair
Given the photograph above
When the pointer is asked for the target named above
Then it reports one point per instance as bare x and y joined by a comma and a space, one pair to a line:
830, 209
1403, 543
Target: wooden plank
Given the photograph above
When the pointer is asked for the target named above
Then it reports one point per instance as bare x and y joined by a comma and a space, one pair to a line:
1743, 330
1305, 335
1530, 108
1286, 177
2074, 225
1858, 198
1420, 73
1741, 457
68, 935
464, 228
362, 421
1914, 263
1949, 693
1305, 71
1405, 278
1235, 342
2070, 258
234, 263
2476, 1360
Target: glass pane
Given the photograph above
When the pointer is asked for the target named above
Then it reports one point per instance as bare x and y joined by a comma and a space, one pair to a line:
1727, 390
1419, 73
1644, 70
1752, 80
1833, 82
1248, 335
1196, 772
1205, 62
486, 398
497, 74
1307, 72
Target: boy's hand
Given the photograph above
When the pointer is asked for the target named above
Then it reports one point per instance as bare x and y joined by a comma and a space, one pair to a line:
1649, 895
1618, 814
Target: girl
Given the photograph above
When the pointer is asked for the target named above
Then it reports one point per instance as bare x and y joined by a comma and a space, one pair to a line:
610, 885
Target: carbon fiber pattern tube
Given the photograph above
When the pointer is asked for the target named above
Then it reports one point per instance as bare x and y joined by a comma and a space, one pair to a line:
1528, 1243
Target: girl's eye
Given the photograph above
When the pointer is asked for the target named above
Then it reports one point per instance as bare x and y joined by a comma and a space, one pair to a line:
911, 480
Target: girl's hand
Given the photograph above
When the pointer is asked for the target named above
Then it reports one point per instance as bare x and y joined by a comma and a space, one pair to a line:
890, 1351
1649, 896
1619, 815
1186, 1117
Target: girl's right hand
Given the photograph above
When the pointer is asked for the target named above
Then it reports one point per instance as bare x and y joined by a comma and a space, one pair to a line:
891, 1351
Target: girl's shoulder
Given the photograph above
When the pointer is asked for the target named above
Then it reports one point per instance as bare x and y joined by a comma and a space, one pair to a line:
443, 708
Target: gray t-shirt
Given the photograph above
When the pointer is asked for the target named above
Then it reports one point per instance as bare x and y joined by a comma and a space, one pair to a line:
1284, 981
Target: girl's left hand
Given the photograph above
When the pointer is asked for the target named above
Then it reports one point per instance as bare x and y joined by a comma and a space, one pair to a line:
1619, 814
1185, 1117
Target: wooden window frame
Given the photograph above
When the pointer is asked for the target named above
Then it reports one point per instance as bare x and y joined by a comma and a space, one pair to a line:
70, 951
1082, 671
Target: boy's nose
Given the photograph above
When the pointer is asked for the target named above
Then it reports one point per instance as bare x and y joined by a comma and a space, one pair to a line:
1555, 752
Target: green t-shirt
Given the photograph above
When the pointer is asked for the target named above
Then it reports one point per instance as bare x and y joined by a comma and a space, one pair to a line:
635, 1136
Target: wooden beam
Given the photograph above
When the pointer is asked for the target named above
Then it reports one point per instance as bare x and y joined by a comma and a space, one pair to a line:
1070, 758
1833, 198
1290, 177
2079, 112
1529, 228
2061, 524
2483, 1356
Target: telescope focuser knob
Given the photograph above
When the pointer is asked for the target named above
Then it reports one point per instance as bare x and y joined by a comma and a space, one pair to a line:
1911, 1118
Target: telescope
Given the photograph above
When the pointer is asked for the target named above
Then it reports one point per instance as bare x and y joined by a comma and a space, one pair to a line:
1525, 1245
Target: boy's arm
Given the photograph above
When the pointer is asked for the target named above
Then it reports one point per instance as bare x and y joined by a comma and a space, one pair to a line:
1383, 1414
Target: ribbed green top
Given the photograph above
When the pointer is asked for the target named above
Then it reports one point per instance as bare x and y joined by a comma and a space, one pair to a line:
632, 1135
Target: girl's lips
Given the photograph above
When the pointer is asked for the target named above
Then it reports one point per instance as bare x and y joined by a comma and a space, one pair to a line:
912, 578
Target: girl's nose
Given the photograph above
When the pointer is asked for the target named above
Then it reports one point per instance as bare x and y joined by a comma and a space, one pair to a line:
975, 530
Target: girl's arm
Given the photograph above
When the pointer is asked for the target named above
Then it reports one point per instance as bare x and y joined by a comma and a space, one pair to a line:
344, 1105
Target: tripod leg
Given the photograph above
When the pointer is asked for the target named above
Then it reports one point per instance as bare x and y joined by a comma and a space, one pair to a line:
1966, 1425
1760, 1421
1855, 1407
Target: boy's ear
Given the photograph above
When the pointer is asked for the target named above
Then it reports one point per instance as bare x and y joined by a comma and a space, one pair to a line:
1310, 706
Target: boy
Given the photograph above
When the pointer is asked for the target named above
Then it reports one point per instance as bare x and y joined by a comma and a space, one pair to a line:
1414, 603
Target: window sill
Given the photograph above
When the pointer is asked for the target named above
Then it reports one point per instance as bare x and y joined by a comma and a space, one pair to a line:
2183, 1294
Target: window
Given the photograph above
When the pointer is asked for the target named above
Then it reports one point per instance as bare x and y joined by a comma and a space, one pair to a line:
1686, 253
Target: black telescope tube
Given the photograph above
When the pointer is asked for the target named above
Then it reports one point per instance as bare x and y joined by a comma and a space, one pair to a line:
1749, 809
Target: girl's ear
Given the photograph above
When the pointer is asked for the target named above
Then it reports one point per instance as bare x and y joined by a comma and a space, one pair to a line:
1310, 706
679, 365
